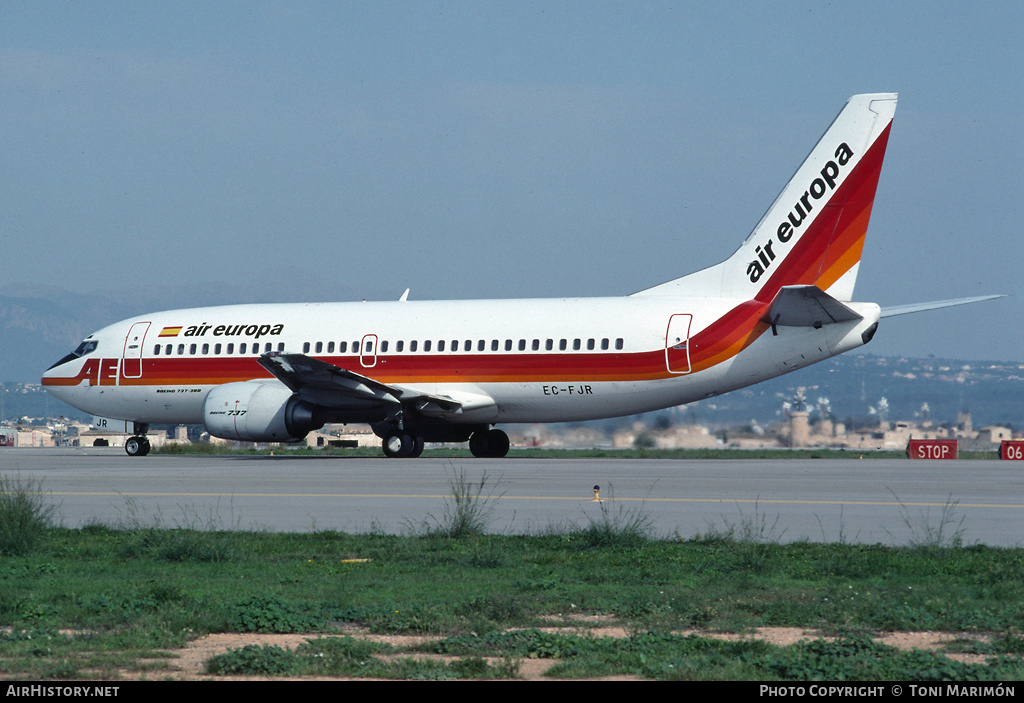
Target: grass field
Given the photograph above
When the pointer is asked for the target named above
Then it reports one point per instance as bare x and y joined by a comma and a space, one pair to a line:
104, 602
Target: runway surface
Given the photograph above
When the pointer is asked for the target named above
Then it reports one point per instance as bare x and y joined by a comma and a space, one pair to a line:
857, 500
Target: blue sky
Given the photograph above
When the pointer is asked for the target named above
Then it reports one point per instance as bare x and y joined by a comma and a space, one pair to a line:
196, 153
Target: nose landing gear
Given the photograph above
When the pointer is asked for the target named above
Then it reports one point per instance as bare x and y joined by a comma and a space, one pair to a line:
137, 446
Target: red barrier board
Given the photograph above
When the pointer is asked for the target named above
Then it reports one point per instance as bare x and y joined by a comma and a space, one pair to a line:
932, 449
1012, 449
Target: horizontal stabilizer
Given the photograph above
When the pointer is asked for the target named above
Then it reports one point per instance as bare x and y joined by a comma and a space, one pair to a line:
808, 306
921, 307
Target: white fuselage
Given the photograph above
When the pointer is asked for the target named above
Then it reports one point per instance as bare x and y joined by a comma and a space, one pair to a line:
539, 360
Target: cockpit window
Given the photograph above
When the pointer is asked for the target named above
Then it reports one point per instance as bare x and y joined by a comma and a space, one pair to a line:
86, 347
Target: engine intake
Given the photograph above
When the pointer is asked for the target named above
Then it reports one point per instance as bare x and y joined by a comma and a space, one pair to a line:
258, 411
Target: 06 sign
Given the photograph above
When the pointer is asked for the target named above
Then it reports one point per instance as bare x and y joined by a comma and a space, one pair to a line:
1012, 449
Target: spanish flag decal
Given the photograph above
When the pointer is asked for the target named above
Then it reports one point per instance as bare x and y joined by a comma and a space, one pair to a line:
170, 331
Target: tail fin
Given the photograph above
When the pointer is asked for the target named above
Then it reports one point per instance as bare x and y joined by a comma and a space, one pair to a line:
813, 233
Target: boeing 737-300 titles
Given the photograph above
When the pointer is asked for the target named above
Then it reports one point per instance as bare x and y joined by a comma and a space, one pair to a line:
433, 371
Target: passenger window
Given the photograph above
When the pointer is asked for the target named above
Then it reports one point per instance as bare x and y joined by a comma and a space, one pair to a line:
231, 348
618, 343
562, 345
576, 345
549, 345
267, 347
399, 345
604, 344
590, 345
192, 349
305, 348
508, 345
481, 345
330, 347
206, 349
413, 345
342, 347
156, 350
522, 345
440, 345
536, 345
426, 345
383, 347
468, 346
494, 345
319, 347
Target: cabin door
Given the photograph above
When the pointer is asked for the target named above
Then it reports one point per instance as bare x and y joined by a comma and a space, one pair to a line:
131, 359
677, 343
368, 351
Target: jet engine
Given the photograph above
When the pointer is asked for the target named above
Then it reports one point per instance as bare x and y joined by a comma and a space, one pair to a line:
258, 411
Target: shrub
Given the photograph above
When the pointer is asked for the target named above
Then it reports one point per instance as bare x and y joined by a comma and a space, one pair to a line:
24, 516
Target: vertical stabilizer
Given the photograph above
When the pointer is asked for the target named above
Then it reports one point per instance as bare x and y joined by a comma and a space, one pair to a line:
813, 233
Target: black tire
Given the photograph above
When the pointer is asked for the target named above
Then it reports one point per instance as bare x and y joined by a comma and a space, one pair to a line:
491, 444
137, 446
497, 444
397, 445
479, 444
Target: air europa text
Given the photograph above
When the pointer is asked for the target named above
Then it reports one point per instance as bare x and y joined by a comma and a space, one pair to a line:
799, 213
255, 331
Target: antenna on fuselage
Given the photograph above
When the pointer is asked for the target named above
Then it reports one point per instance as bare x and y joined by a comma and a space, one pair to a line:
405, 296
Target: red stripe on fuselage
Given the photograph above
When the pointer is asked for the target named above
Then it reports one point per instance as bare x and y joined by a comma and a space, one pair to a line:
836, 232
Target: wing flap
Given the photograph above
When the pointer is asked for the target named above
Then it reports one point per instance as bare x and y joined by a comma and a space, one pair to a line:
332, 386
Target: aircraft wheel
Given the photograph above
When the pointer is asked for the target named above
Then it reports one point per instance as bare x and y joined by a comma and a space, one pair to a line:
397, 445
417, 447
497, 444
491, 444
478, 444
137, 446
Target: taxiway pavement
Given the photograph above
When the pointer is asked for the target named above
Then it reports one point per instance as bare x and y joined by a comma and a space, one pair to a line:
888, 501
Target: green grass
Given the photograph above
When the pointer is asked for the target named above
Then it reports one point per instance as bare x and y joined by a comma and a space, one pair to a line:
92, 602
25, 514
130, 594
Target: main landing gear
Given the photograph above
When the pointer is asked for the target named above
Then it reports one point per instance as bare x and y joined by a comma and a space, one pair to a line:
483, 443
489, 443
399, 444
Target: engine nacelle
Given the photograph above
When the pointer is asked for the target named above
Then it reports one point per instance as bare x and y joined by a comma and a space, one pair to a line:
258, 411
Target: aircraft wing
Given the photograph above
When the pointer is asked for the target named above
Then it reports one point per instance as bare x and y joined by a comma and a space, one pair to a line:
334, 387
807, 306
921, 307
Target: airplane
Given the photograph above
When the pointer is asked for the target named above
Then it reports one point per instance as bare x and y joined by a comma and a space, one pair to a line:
449, 371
